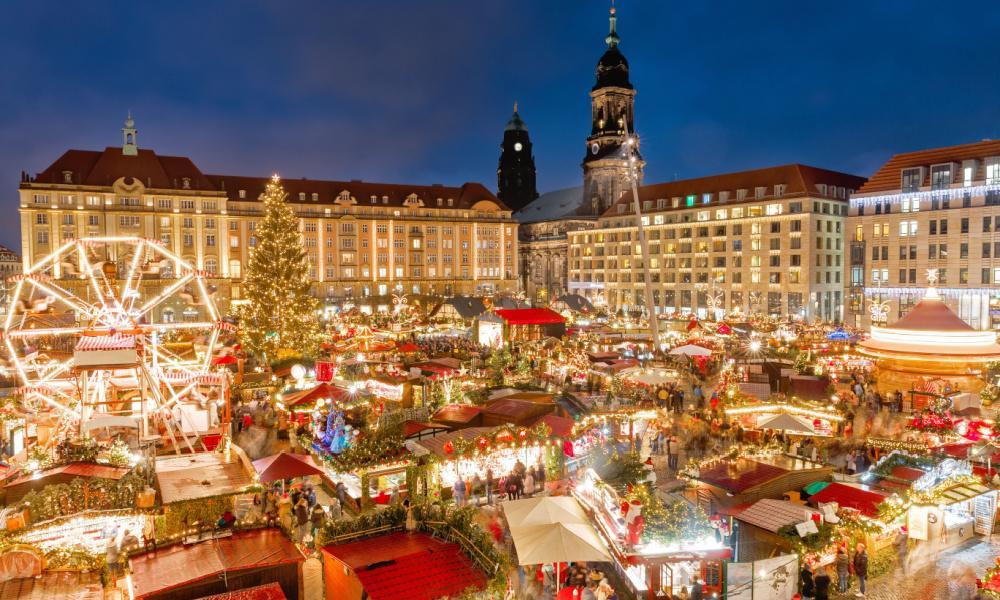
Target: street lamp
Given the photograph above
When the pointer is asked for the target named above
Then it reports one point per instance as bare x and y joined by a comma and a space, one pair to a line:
629, 150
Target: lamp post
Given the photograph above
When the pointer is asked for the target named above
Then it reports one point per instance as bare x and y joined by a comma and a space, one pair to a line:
629, 150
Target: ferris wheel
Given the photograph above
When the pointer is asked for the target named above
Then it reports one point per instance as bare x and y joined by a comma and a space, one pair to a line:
93, 335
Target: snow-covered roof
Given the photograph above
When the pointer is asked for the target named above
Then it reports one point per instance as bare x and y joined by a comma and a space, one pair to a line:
551, 205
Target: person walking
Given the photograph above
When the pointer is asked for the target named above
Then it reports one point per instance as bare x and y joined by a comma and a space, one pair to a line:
843, 564
317, 517
540, 478
529, 483
673, 451
458, 491
301, 518
489, 486
696, 590
860, 564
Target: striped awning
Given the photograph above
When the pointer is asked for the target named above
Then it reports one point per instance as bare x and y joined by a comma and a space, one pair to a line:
118, 341
185, 377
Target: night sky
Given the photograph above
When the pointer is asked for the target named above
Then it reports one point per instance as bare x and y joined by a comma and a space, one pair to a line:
419, 92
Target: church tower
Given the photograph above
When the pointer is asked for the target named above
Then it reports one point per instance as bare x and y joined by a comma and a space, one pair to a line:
130, 145
516, 172
612, 115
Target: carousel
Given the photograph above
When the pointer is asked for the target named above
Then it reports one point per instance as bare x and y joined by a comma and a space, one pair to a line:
931, 350
115, 358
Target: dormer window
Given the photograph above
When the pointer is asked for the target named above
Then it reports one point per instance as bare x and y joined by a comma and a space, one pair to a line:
821, 188
315, 197
344, 197
723, 196
912, 178
243, 194
67, 176
440, 201
741, 195
385, 199
185, 183
302, 196
413, 201
779, 189
374, 198
759, 192
941, 177
451, 202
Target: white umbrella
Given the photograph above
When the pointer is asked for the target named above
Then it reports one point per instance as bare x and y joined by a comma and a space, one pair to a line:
691, 350
558, 542
548, 510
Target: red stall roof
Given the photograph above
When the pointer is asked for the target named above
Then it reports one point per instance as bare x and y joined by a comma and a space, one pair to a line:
311, 395
269, 591
414, 566
456, 413
740, 474
561, 427
850, 497
530, 316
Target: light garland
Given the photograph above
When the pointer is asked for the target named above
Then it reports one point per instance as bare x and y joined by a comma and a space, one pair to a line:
949, 193
785, 408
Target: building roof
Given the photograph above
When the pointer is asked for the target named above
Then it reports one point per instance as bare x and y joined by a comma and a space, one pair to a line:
53, 585
465, 196
889, 176
557, 204
268, 591
848, 496
408, 565
103, 168
506, 407
531, 316
182, 564
799, 180
772, 515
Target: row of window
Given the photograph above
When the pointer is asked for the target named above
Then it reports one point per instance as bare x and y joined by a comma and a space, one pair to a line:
987, 275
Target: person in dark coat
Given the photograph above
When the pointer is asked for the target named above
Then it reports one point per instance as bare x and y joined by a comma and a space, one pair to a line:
696, 590
821, 582
806, 585
861, 567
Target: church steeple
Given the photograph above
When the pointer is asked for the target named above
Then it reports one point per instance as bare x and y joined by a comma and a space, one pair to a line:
516, 171
612, 109
612, 39
130, 146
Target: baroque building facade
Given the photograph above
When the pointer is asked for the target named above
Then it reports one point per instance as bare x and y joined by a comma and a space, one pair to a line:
931, 212
762, 241
362, 239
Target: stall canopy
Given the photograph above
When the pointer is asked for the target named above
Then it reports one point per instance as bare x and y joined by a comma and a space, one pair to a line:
201, 475
285, 466
408, 348
690, 350
531, 316
318, 392
787, 422
544, 511
849, 497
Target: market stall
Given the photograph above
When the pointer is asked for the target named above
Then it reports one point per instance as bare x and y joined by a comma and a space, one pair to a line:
655, 547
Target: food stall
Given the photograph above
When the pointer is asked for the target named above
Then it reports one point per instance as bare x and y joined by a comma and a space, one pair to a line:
648, 561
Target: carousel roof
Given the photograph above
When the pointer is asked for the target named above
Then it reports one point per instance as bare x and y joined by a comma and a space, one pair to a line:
934, 331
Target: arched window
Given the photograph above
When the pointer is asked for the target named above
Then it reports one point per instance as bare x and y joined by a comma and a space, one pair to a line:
211, 265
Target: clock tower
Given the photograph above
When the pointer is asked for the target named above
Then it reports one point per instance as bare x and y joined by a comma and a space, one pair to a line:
516, 172
612, 115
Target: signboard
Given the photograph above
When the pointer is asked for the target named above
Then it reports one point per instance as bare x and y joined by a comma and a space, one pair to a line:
984, 508
917, 522
324, 371
739, 581
776, 578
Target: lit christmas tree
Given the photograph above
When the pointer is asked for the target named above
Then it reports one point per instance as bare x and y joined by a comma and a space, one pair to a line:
279, 317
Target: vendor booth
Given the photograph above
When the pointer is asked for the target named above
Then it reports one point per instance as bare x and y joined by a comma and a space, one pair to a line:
646, 561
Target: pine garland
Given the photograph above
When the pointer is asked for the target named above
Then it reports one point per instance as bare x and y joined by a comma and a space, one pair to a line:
280, 313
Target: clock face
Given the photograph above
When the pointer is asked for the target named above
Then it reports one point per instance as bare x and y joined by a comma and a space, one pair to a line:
517, 146
594, 148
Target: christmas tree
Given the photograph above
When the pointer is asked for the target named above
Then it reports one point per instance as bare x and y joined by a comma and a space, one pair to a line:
280, 313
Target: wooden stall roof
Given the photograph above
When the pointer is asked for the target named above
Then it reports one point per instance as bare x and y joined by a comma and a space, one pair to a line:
772, 515
202, 475
55, 585
173, 567
436, 444
78, 469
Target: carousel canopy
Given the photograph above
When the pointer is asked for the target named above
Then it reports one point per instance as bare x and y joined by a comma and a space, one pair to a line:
933, 331
285, 466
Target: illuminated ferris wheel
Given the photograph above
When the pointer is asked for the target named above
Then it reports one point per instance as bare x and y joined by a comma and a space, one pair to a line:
92, 334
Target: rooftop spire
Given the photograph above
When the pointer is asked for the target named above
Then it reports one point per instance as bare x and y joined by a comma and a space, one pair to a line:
515, 105
612, 38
